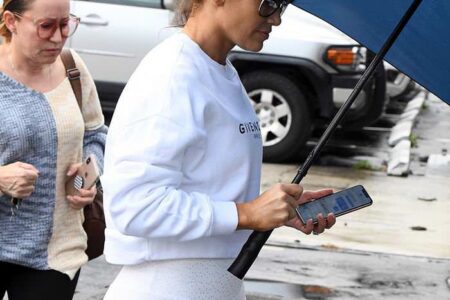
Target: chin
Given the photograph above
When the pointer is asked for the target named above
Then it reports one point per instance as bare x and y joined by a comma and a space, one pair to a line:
252, 46
48, 59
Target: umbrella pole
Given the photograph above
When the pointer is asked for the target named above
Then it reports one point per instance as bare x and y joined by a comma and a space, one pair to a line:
257, 239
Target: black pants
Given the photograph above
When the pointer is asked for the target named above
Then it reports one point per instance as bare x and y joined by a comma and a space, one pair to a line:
22, 283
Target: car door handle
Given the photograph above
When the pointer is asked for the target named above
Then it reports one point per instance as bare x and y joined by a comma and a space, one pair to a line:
93, 20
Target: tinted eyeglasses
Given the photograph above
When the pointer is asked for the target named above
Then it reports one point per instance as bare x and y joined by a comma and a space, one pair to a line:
269, 7
47, 27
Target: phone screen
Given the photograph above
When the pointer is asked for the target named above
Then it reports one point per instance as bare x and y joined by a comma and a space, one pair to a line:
338, 203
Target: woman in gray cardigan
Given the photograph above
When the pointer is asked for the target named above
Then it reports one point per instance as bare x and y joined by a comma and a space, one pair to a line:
43, 137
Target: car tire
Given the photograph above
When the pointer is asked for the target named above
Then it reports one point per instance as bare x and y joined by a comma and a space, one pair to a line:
373, 110
283, 112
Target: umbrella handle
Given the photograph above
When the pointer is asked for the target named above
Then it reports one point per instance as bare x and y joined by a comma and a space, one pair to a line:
257, 239
249, 253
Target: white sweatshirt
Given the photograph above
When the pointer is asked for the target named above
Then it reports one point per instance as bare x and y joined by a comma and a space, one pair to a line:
183, 147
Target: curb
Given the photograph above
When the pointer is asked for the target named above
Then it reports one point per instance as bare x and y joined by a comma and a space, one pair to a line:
400, 154
399, 159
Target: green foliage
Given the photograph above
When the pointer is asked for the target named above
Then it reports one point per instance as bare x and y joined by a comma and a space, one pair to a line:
414, 140
363, 165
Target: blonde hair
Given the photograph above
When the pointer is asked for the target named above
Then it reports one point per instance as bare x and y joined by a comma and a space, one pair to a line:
15, 6
184, 11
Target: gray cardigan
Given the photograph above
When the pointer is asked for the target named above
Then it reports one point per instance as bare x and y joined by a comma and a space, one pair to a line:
31, 130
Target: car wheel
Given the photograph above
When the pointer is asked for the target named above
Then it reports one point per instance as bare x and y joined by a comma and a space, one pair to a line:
369, 113
283, 112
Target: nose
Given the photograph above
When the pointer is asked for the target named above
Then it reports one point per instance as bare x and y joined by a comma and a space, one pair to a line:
275, 18
57, 36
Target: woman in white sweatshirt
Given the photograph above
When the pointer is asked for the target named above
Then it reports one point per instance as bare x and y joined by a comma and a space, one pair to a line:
183, 161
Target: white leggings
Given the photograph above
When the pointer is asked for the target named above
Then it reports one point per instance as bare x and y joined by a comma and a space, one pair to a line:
186, 279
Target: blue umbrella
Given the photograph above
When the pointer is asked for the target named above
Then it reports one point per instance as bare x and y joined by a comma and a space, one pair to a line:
410, 34
422, 49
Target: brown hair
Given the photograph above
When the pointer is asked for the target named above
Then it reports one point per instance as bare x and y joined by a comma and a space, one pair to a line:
184, 10
15, 6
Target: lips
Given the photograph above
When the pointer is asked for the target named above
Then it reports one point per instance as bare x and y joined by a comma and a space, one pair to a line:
264, 33
52, 51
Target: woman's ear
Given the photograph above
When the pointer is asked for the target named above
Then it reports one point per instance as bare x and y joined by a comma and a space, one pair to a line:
10, 21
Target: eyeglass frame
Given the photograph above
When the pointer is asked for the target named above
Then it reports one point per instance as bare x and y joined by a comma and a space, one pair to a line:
282, 5
36, 23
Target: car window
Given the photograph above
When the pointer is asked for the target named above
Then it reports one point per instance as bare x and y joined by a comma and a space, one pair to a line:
141, 3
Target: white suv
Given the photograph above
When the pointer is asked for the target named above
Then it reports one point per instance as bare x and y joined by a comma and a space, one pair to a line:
304, 73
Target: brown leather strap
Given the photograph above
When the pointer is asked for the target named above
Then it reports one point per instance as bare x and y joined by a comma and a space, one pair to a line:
73, 74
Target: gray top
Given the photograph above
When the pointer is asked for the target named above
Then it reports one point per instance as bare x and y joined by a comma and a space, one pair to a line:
33, 126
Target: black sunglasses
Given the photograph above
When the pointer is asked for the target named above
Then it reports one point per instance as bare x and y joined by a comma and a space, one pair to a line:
269, 7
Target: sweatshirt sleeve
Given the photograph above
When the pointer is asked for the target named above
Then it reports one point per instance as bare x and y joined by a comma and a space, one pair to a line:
143, 174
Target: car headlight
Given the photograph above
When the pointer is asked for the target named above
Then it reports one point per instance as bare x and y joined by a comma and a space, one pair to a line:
350, 59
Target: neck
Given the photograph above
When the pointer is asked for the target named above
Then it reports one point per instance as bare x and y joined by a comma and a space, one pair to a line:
209, 36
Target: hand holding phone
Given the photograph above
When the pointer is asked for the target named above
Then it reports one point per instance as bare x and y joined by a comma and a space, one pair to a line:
339, 203
87, 176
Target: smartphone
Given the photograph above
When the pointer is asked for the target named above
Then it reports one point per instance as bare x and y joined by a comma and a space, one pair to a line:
87, 176
339, 203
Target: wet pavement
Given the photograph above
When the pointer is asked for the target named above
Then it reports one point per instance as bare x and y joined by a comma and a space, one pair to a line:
400, 220
398, 248
299, 272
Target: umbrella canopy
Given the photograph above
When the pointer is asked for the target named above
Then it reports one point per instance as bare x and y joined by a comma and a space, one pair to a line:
422, 51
